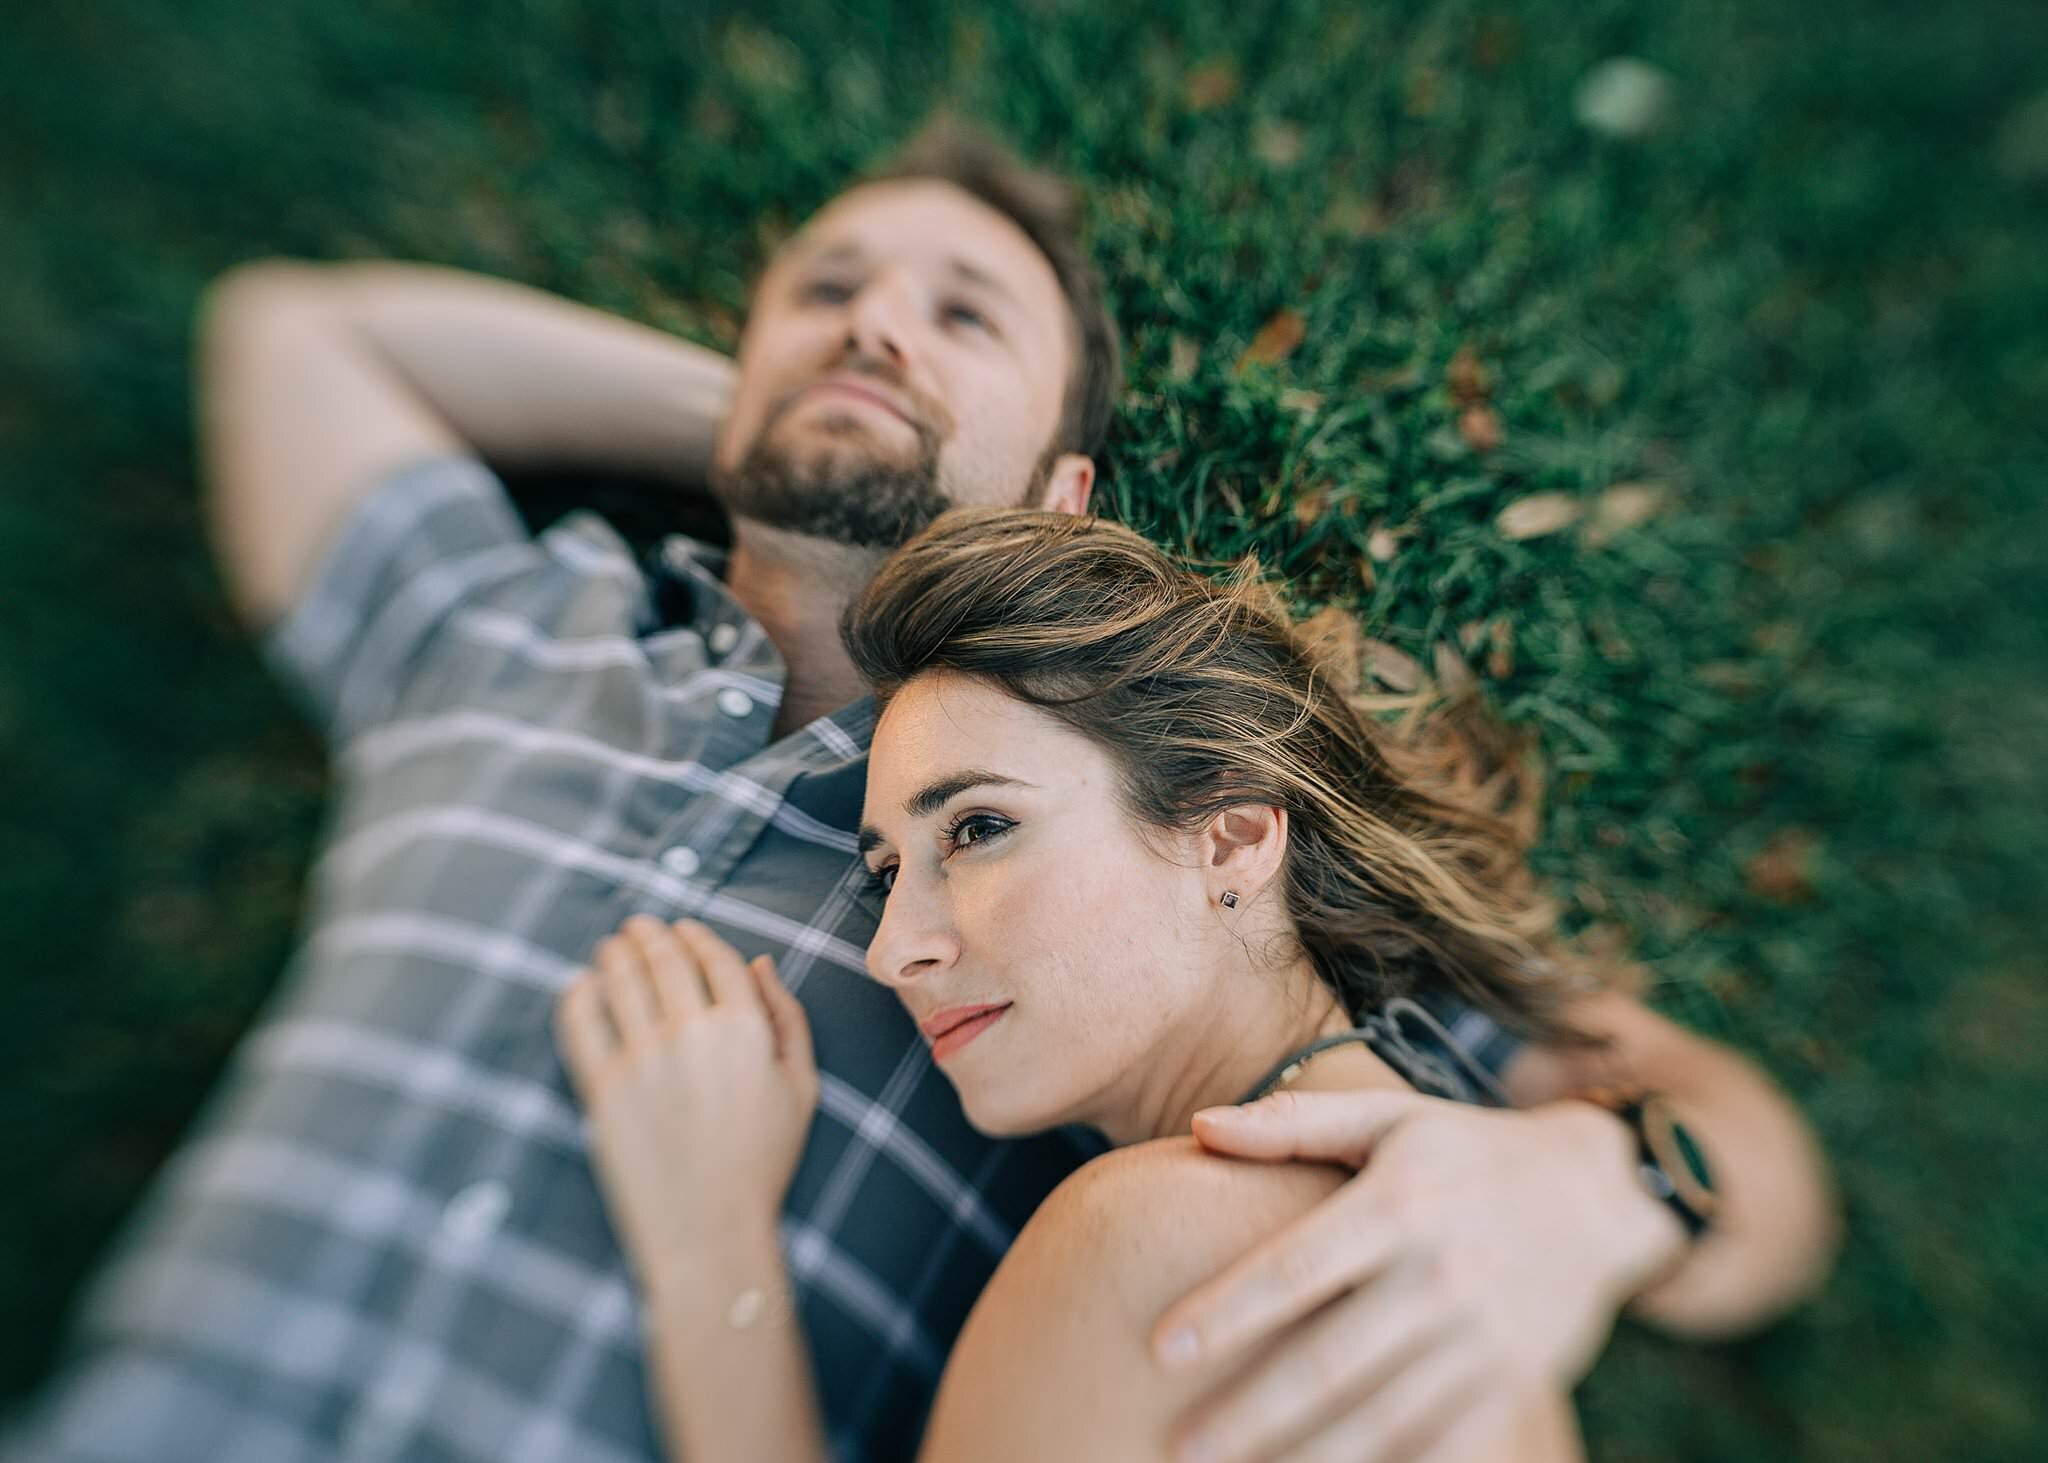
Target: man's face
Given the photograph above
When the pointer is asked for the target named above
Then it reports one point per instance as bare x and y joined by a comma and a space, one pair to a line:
906, 352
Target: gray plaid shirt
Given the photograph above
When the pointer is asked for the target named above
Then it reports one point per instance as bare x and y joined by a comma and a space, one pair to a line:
384, 1240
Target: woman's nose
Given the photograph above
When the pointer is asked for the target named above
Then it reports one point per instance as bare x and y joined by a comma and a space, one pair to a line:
913, 940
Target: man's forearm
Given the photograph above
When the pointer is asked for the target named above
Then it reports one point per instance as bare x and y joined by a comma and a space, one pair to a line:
530, 379
1774, 1230
1776, 1226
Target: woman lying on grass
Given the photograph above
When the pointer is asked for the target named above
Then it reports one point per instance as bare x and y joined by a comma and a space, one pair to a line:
1140, 858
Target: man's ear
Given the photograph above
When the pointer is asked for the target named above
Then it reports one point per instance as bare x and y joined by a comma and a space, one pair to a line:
1069, 484
1242, 849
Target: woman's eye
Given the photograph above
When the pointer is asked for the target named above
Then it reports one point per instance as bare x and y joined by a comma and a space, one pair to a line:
880, 881
977, 828
827, 291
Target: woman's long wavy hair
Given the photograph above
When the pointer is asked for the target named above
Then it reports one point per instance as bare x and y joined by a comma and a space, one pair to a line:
1405, 863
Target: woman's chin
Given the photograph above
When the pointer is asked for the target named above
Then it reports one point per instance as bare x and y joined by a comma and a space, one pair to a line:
997, 1119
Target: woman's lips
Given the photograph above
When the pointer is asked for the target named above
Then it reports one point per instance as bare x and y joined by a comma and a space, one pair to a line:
951, 1030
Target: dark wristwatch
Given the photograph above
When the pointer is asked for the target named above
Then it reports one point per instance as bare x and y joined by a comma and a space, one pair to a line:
1670, 1163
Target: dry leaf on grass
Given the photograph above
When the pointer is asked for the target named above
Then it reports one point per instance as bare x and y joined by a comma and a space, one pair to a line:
1468, 377
1452, 672
1621, 507
1482, 428
1500, 660
1383, 542
1395, 669
1277, 144
1782, 869
1538, 514
1277, 339
1210, 85
1183, 356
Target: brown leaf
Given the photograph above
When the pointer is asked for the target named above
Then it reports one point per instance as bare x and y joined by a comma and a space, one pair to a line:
1184, 356
1538, 514
1393, 668
1210, 85
1500, 660
1482, 428
1355, 217
1621, 507
1782, 869
1365, 575
1277, 339
1468, 377
1310, 507
1452, 671
1277, 144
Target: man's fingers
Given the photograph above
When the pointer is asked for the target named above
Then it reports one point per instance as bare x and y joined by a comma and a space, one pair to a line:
1326, 1252
1320, 1371
1337, 1127
1403, 1421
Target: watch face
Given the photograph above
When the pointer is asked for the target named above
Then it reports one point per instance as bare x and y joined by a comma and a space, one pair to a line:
1679, 1154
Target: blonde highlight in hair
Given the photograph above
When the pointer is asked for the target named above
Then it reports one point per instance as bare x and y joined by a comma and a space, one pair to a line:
1406, 863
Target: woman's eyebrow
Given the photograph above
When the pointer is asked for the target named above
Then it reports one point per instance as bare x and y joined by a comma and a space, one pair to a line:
936, 793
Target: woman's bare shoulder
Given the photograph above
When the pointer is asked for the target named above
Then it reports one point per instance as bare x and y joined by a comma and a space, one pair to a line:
1056, 1356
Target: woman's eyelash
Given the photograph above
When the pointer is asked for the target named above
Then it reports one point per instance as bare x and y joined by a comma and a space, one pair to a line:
998, 826
876, 882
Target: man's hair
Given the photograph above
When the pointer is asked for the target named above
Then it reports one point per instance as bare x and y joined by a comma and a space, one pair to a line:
1048, 209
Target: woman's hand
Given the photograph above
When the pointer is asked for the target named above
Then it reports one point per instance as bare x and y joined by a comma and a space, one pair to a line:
697, 1072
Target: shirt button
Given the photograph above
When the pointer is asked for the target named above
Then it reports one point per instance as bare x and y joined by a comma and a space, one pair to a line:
735, 702
682, 862
475, 1214
724, 638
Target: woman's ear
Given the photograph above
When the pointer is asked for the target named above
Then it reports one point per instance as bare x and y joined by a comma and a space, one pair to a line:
1242, 849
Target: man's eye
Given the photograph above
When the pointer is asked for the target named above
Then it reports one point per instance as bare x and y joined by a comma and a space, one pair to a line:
827, 291
958, 313
880, 881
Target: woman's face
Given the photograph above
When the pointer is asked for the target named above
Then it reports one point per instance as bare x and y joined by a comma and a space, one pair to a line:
1018, 885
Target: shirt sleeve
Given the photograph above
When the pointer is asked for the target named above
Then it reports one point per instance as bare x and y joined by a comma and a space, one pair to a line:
432, 545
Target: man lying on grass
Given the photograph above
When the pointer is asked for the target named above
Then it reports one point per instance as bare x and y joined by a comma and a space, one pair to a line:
386, 1238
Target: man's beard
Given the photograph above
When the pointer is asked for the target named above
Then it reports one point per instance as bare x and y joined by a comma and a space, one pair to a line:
845, 496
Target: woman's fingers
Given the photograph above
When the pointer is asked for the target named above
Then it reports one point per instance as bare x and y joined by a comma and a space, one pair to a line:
792, 1025
583, 1032
678, 985
628, 993
724, 972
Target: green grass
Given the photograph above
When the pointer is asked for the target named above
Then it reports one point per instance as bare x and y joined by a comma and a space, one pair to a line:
1809, 310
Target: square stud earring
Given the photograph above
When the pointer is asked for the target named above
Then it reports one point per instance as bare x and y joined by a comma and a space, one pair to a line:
1229, 899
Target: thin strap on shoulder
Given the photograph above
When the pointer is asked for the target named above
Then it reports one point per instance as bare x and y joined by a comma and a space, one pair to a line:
1438, 1067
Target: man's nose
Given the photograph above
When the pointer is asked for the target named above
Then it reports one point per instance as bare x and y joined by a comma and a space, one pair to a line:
879, 320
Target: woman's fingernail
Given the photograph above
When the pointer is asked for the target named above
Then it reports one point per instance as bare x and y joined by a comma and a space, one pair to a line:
1180, 1347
